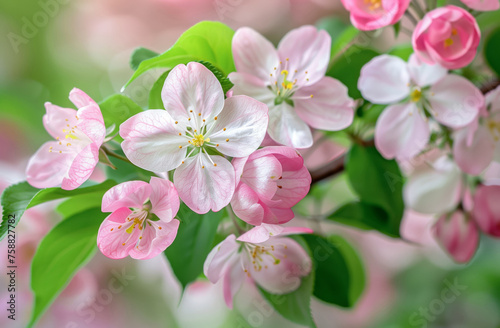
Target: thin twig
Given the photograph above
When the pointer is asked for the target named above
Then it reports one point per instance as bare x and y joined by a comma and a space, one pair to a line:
115, 155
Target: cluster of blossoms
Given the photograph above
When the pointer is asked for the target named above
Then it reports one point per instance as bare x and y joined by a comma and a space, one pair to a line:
206, 148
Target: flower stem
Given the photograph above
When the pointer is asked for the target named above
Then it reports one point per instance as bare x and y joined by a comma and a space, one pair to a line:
235, 222
115, 155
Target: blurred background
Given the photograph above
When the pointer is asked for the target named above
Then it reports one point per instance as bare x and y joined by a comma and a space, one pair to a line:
50, 46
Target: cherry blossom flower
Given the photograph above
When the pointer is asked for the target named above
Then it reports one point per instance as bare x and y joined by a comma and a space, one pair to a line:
477, 145
369, 15
196, 121
291, 82
448, 36
146, 230
274, 262
71, 158
458, 235
269, 182
402, 130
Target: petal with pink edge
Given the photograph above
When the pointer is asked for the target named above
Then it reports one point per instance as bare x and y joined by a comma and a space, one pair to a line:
152, 141
156, 237
475, 156
401, 132
305, 53
113, 234
219, 257
293, 187
425, 74
130, 194
246, 205
262, 174
164, 199
486, 211
384, 79
57, 119
325, 105
47, 169
80, 99
192, 87
204, 186
455, 101
287, 128
250, 85
234, 277
280, 273
82, 167
240, 127
253, 54
91, 123
265, 231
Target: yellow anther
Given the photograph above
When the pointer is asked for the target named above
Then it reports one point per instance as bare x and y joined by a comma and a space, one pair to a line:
415, 95
448, 42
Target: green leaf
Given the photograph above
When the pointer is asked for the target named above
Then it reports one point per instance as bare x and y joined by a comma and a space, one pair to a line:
155, 101
223, 80
116, 109
397, 29
342, 34
62, 252
294, 306
19, 197
207, 41
363, 216
81, 203
347, 67
139, 55
194, 239
402, 51
378, 182
335, 283
492, 51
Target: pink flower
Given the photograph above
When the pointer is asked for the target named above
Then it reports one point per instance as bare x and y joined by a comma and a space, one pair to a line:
476, 146
70, 160
275, 263
487, 209
402, 130
197, 121
448, 36
458, 235
482, 5
146, 230
269, 182
369, 15
291, 82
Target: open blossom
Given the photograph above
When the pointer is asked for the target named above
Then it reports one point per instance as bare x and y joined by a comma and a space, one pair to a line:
477, 145
482, 5
487, 209
196, 121
402, 130
291, 82
269, 182
71, 158
458, 235
448, 36
142, 224
274, 262
369, 15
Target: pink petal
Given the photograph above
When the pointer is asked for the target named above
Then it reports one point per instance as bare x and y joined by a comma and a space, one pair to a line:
82, 167
435, 190
247, 206
250, 85
486, 210
282, 272
203, 186
91, 123
473, 157
156, 237
57, 119
152, 141
192, 87
384, 79
130, 194
240, 127
457, 235
330, 107
112, 235
262, 233
455, 101
164, 199
233, 279
401, 131
293, 187
48, 169
287, 128
261, 174
253, 54
482, 5
80, 99
305, 49
219, 257
425, 74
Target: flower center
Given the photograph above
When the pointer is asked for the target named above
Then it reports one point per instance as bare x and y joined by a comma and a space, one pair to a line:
373, 4
494, 128
284, 83
449, 41
72, 137
259, 254
198, 140
416, 95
